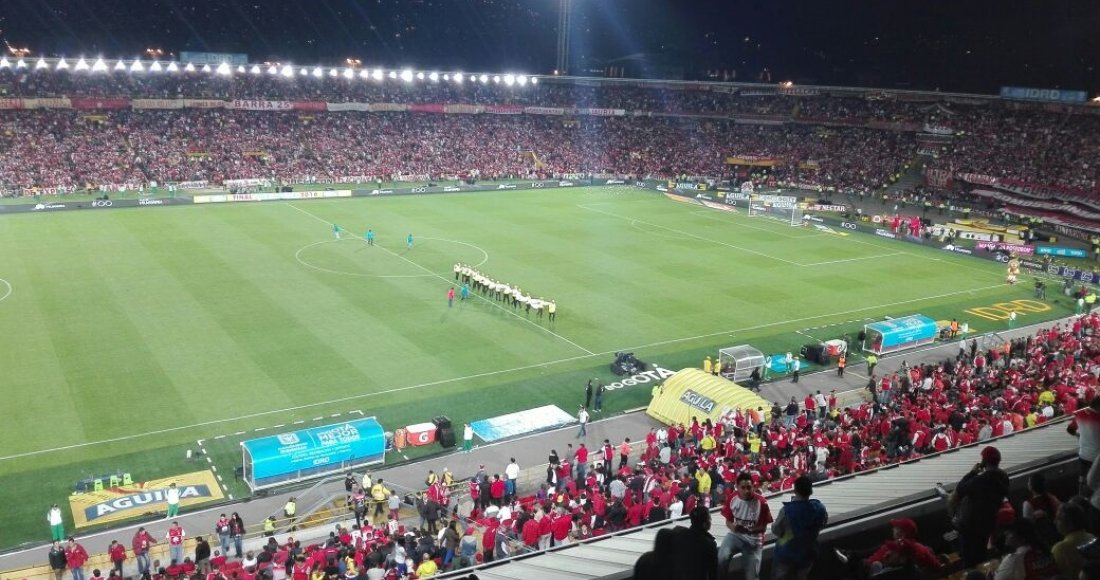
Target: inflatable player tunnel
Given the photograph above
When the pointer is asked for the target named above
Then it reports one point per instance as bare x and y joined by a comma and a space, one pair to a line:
693, 393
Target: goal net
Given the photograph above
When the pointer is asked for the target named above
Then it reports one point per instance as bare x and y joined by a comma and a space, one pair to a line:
783, 208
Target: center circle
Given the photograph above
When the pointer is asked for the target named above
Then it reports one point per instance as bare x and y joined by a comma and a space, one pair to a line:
429, 257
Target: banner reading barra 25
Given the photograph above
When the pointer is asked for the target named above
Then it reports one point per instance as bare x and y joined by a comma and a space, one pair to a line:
120, 503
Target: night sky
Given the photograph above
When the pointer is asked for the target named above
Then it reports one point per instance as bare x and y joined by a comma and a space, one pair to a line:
958, 45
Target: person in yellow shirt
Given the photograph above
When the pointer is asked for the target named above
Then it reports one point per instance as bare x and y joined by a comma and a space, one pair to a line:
427, 568
703, 481
448, 477
708, 443
754, 446
379, 494
706, 365
1046, 397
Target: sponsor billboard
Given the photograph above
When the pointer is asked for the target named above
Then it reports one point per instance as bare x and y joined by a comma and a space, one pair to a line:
273, 196
1050, 95
1018, 249
214, 58
701, 402
128, 501
1060, 251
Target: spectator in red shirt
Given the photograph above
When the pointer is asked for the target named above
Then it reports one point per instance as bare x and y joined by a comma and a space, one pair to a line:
75, 557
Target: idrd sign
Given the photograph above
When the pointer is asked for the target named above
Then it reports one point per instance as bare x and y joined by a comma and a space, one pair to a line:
1000, 310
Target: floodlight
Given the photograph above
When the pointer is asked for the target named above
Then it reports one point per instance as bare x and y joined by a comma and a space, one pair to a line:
288, 71
303, 71
509, 80
272, 70
377, 74
21, 64
407, 75
434, 77
240, 68
223, 69
458, 78
99, 65
393, 74
496, 79
333, 72
61, 65
364, 73
484, 79
255, 69
348, 73
4, 62
119, 65
420, 76
40, 64
206, 68
189, 68
534, 80
81, 64
155, 67
446, 77
522, 80
137, 67
318, 72
173, 67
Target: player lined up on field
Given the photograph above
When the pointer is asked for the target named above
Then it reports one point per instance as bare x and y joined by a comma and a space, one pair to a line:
472, 279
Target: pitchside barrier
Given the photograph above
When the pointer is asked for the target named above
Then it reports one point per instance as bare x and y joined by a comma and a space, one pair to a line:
46, 206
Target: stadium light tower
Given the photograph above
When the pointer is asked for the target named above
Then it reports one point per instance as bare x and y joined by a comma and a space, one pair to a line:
565, 22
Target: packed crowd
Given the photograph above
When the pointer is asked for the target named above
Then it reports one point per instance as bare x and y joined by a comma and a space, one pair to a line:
1048, 148
1028, 148
140, 147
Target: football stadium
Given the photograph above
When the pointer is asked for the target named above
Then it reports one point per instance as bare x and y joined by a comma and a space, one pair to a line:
426, 323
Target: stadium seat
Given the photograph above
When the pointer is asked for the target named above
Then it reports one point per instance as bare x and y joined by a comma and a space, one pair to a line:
126, 479
115, 481
97, 484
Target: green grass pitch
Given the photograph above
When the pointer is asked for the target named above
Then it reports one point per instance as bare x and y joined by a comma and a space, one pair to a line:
129, 334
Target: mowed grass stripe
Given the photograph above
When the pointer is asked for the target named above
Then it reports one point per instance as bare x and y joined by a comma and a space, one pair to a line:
35, 383
109, 371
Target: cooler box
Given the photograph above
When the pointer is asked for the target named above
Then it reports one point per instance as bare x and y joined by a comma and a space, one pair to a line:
835, 347
420, 434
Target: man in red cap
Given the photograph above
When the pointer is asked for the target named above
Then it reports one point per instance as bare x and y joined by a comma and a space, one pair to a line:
975, 502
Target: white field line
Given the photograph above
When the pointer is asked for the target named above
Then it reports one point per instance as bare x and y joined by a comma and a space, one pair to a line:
719, 216
689, 234
875, 257
445, 279
474, 376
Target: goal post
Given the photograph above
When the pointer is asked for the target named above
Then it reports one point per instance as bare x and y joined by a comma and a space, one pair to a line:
782, 208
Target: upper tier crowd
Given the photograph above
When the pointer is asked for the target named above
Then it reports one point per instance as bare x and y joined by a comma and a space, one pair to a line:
1030, 145
138, 147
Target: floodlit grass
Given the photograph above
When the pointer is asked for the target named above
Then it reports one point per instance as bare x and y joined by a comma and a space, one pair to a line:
132, 333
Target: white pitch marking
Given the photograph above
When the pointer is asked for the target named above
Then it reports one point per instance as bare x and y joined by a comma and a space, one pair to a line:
691, 235
854, 259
